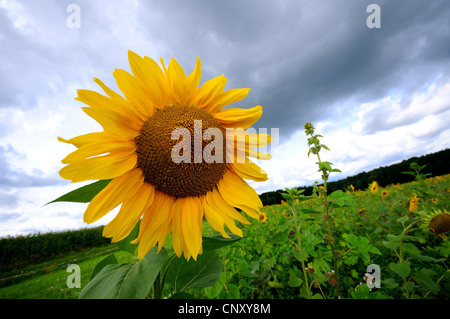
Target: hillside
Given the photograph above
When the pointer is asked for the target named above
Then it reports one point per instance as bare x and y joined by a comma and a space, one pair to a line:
437, 164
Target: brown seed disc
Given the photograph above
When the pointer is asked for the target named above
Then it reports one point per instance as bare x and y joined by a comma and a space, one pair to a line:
155, 144
440, 223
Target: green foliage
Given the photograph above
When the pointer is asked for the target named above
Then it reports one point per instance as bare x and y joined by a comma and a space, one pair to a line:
126, 280
31, 249
83, 194
203, 272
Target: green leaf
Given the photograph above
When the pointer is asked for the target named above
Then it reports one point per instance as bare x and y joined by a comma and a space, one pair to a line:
279, 238
125, 244
342, 199
402, 269
203, 272
214, 290
390, 244
233, 292
83, 194
402, 219
218, 241
126, 280
294, 279
425, 281
110, 259
411, 249
389, 283
181, 295
302, 256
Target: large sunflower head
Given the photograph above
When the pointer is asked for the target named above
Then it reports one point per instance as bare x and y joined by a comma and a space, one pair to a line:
173, 154
436, 221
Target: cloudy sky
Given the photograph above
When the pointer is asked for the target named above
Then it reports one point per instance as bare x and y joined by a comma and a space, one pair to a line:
378, 95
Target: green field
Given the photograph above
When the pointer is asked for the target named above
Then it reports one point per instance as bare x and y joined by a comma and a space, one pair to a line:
287, 253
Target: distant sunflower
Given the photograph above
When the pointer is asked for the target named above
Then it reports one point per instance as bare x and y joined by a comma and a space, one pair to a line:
262, 217
437, 221
374, 187
361, 211
136, 148
413, 203
385, 193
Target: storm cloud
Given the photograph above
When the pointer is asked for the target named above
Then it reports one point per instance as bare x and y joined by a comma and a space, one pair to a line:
378, 95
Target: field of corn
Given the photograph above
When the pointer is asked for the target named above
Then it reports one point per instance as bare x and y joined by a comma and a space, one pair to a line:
286, 254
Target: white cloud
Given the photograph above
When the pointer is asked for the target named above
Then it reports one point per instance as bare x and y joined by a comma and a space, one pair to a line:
425, 129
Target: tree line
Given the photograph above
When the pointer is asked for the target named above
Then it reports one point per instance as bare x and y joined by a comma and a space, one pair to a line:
436, 164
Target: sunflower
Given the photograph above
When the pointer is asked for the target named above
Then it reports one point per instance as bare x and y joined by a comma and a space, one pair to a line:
413, 202
437, 221
158, 175
262, 217
385, 193
374, 187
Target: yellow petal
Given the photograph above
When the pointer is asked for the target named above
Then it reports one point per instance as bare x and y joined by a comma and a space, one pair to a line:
225, 208
124, 108
134, 92
177, 237
208, 91
103, 143
226, 98
213, 217
190, 227
229, 222
78, 141
147, 71
129, 214
156, 218
249, 171
242, 137
100, 167
239, 194
115, 193
239, 118
114, 122
193, 81
177, 80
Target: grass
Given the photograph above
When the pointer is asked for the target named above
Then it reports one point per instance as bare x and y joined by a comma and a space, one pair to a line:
48, 280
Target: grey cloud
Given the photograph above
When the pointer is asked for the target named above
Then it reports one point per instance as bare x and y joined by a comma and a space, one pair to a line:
304, 59
10, 178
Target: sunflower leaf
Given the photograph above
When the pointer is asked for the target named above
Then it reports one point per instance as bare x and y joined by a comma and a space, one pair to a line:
110, 259
126, 280
83, 194
203, 272
218, 241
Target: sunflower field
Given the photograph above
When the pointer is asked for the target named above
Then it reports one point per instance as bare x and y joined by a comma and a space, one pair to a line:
286, 254
387, 226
